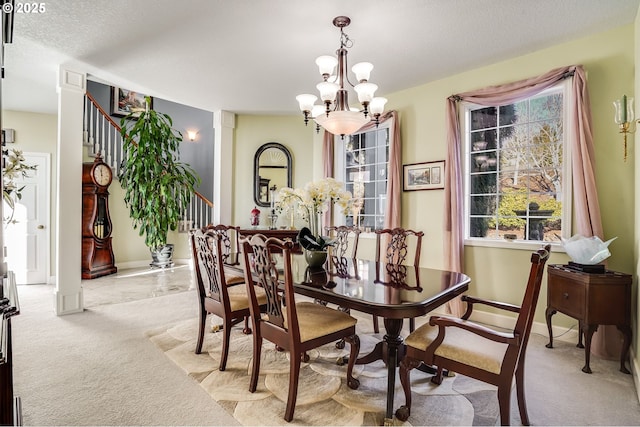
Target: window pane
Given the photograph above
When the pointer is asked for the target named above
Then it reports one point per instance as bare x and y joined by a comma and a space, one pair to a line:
484, 118
509, 114
484, 162
366, 158
515, 163
483, 183
483, 205
546, 107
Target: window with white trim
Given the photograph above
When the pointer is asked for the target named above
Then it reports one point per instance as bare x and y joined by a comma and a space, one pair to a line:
362, 162
517, 170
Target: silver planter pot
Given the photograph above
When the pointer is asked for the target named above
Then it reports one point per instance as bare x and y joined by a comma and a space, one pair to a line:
162, 258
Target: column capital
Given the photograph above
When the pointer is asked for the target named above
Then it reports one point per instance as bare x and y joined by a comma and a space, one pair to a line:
224, 119
71, 80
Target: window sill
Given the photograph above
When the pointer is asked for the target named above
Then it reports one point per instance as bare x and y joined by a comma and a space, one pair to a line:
525, 245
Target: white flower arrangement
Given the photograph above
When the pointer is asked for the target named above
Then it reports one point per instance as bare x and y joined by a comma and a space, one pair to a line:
315, 198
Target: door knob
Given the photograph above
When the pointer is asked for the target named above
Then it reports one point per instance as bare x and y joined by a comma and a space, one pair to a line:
41, 227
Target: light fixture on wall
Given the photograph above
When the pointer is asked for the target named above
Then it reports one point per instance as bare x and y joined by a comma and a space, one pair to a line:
192, 134
336, 116
624, 118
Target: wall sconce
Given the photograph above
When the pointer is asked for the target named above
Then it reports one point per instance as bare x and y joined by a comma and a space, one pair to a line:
625, 118
192, 134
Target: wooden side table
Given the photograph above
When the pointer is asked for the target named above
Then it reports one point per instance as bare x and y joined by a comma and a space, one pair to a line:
594, 299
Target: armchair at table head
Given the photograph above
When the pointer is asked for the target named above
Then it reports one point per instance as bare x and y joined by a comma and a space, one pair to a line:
295, 327
230, 303
478, 351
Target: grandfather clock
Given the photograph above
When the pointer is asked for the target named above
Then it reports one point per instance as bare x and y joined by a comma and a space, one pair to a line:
97, 254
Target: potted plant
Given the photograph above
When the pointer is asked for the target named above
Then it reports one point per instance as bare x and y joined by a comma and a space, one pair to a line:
157, 185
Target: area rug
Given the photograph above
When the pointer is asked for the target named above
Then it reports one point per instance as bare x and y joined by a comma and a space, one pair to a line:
323, 396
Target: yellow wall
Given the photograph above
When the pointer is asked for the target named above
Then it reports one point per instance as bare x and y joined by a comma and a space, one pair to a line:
37, 133
635, 301
253, 131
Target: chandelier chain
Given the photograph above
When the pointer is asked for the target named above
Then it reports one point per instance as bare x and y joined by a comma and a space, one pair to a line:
345, 41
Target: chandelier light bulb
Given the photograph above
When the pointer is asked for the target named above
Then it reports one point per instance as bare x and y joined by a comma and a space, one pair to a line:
326, 64
362, 70
365, 92
317, 110
377, 105
328, 91
306, 101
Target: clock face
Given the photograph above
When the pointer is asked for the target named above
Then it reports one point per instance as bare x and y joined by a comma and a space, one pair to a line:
102, 175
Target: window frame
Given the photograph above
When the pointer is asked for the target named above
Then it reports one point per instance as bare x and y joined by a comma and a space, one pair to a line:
340, 170
567, 183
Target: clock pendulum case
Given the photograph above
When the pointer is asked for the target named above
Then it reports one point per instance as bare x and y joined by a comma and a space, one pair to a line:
97, 254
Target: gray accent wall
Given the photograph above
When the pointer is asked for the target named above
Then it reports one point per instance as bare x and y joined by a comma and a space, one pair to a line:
199, 153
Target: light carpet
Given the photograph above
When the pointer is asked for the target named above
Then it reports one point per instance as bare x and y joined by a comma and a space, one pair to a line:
323, 396
100, 368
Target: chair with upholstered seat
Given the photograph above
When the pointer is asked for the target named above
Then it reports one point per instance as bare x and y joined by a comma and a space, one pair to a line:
230, 244
293, 326
345, 246
230, 303
478, 351
393, 247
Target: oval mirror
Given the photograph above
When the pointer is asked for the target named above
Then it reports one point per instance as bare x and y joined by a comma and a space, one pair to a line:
272, 171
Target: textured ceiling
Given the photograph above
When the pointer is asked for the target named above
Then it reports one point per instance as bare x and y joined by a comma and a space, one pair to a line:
255, 56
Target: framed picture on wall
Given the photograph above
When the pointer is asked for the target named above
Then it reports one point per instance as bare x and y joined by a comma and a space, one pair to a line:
124, 102
423, 176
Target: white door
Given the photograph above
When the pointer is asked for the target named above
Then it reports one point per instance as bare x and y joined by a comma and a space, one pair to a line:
27, 240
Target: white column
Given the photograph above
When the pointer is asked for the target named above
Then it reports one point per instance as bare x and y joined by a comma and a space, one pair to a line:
68, 293
224, 123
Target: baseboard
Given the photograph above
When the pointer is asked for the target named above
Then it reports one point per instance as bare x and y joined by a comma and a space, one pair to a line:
145, 263
68, 303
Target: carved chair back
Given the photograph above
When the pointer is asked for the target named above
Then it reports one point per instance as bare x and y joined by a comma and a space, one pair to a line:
207, 259
393, 246
229, 242
261, 270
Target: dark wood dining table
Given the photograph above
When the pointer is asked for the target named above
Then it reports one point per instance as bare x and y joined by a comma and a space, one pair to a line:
394, 292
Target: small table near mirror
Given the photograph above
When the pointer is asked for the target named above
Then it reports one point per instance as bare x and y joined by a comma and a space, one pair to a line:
281, 234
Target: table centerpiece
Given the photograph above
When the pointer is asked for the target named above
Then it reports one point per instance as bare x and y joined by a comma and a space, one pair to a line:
309, 203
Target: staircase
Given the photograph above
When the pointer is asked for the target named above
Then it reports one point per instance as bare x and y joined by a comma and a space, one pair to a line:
102, 134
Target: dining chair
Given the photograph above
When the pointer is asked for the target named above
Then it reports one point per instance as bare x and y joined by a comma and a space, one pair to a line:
393, 246
475, 350
293, 326
230, 303
345, 246
230, 249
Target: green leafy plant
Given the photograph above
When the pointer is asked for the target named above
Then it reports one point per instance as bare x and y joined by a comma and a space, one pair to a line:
157, 185
14, 168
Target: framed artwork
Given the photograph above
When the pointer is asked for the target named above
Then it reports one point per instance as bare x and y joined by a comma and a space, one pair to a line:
424, 176
124, 102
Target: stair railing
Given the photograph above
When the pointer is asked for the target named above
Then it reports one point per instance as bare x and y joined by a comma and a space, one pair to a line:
102, 134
